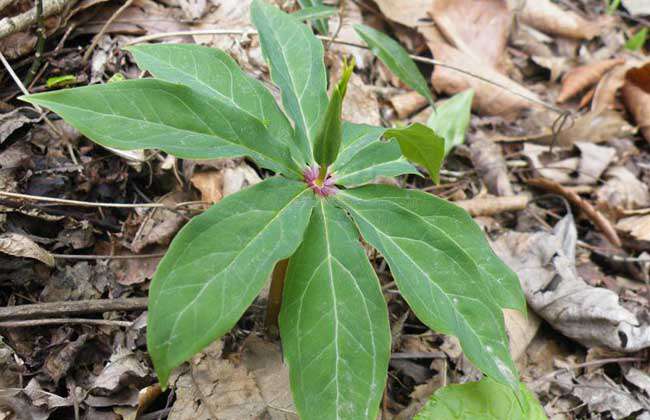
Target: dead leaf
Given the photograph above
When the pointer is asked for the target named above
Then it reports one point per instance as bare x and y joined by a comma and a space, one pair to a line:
602, 395
13, 120
478, 28
21, 246
549, 18
210, 184
491, 166
583, 77
215, 388
593, 316
237, 178
622, 191
407, 12
264, 361
160, 224
521, 330
350, 17
193, 9
77, 282
637, 7
636, 226
636, 96
488, 98
608, 87
407, 104
62, 358
124, 369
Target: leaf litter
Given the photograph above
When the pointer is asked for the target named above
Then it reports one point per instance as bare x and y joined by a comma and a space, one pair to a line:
589, 296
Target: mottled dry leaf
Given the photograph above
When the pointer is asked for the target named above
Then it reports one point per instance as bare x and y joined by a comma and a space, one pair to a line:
491, 166
583, 77
602, 395
160, 225
215, 388
550, 18
193, 9
124, 369
210, 184
636, 96
13, 120
608, 87
593, 316
21, 246
478, 28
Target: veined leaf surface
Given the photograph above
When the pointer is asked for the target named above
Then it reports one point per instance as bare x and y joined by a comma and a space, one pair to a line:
484, 400
295, 57
315, 12
395, 57
214, 73
364, 157
438, 278
153, 114
420, 145
218, 263
334, 322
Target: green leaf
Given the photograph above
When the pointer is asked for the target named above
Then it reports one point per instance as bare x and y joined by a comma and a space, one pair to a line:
295, 57
395, 57
451, 119
637, 42
214, 73
334, 322
330, 133
420, 145
484, 400
314, 9
217, 265
152, 114
364, 157
447, 274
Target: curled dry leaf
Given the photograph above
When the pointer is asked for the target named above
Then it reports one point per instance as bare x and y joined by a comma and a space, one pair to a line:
636, 96
479, 29
549, 18
593, 316
209, 184
488, 99
21, 246
583, 77
608, 87
622, 191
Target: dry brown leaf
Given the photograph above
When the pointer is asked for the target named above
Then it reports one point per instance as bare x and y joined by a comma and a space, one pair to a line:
351, 16
360, 105
215, 388
237, 178
21, 246
488, 98
407, 12
407, 104
193, 9
636, 226
478, 28
608, 87
549, 18
160, 224
209, 184
583, 77
636, 96
622, 191
521, 330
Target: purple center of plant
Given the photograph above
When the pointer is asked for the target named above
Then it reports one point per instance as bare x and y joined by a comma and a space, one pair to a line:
323, 187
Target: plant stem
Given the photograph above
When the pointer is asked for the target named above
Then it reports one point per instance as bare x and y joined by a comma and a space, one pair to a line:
40, 45
274, 301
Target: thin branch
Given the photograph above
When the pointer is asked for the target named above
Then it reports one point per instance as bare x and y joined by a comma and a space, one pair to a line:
66, 202
417, 58
40, 44
59, 321
590, 363
10, 25
59, 309
106, 257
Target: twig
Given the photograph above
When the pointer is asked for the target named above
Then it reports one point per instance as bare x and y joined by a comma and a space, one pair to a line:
59, 321
66, 202
106, 257
572, 197
5, 3
490, 206
58, 309
418, 58
10, 25
40, 44
101, 33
